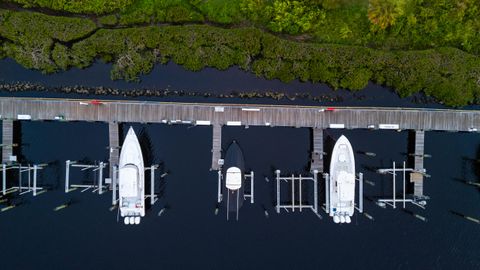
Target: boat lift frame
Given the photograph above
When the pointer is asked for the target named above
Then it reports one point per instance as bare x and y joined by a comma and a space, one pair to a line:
394, 200
300, 179
251, 195
32, 183
94, 167
114, 184
358, 206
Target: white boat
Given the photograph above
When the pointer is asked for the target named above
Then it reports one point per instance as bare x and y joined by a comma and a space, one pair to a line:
131, 180
233, 169
342, 181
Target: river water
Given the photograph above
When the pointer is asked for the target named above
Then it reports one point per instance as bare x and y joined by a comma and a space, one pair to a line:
188, 234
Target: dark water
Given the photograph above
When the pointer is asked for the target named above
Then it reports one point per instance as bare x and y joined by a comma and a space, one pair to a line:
188, 235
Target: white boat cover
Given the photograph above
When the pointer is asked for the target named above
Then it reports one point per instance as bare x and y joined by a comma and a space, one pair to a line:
234, 178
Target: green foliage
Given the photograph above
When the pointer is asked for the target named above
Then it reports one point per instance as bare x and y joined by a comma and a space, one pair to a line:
384, 13
108, 20
221, 11
78, 6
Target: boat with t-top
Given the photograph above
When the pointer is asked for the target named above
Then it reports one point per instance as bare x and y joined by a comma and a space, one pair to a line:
342, 182
131, 180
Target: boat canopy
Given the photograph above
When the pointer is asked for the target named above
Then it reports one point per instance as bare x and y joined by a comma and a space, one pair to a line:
129, 184
234, 178
346, 186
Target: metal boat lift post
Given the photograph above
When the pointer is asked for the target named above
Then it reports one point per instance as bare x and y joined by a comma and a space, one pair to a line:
153, 197
71, 187
359, 205
31, 186
300, 179
393, 201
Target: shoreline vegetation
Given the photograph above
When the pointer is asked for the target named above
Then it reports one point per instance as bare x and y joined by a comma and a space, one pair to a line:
165, 92
429, 46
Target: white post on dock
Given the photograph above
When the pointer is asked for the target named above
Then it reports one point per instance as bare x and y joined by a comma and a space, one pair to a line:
360, 197
67, 176
278, 191
394, 195
403, 184
114, 184
315, 191
29, 177
252, 180
35, 167
293, 193
300, 190
219, 189
4, 178
327, 192
152, 185
100, 178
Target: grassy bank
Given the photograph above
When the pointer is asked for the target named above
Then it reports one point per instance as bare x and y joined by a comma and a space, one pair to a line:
449, 73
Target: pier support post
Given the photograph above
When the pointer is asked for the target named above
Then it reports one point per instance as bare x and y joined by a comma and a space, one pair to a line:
360, 191
327, 192
4, 179
219, 189
114, 184
67, 176
278, 190
100, 178
315, 191
35, 167
152, 184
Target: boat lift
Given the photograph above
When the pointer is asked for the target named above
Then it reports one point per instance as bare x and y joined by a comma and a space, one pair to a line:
420, 202
358, 206
31, 186
114, 184
299, 179
250, 177
97, 187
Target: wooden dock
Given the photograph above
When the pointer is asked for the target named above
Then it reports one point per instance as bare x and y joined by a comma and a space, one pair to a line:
251, 115
113, 138
418, 166
216, 146
317, 153
7, 140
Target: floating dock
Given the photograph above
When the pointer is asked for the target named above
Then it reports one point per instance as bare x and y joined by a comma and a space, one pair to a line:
113, 138
216, 147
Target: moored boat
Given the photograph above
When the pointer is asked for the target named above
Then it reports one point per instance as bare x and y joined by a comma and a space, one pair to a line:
233, 172
131, 180
342, 182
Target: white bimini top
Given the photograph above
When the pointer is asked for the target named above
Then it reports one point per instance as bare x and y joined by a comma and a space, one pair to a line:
234, 178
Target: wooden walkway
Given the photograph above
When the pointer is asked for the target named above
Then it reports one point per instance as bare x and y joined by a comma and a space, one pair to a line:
317, 153
7, 140
252, 115
113, 138
418, 166
216, 146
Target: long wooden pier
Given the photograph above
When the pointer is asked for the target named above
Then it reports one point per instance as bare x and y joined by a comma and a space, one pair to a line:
251, 115
216, 146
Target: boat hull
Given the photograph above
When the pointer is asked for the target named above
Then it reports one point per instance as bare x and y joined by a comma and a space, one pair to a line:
342, 181
131, 179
